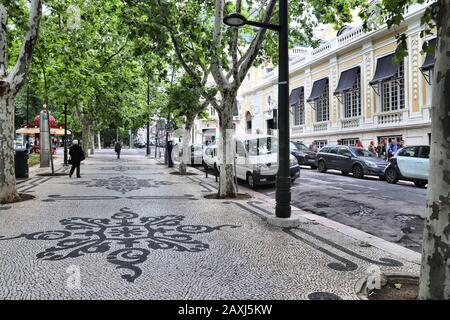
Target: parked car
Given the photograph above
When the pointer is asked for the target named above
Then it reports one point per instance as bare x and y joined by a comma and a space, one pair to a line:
303, 154
195, 154
210, 159
358, 161
139, 144
411, 164
257, 160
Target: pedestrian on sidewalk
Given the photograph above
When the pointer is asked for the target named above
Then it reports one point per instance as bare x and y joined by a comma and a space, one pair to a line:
118, 148
76, 156
359, 144
372, 148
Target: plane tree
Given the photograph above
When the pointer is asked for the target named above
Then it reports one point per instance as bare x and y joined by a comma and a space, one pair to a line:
11, 81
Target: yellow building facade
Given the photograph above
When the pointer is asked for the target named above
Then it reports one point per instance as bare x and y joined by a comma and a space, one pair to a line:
350, 88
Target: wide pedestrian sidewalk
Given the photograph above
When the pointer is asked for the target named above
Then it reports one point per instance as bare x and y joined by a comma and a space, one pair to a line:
131, 229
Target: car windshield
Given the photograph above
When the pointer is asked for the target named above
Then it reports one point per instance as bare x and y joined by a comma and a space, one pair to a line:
299, 146
261, 146
359, 152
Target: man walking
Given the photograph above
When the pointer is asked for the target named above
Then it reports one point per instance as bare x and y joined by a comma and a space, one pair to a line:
76, 156
118, 148
393, 148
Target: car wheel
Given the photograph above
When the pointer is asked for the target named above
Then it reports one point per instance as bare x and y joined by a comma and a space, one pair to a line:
358, 171
391, 175
251, 181
322, 166
345, 173
420, 184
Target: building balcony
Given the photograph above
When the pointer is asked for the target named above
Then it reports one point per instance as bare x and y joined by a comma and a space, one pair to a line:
349, 123
390, 118
297, 129
321, 126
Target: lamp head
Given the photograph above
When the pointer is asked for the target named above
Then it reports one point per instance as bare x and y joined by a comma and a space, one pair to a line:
235, 20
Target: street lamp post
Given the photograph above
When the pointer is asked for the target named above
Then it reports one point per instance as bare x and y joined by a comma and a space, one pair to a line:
283, 181
65, 134
148, 122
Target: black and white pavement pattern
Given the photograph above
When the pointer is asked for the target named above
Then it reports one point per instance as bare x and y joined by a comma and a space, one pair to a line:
87, 241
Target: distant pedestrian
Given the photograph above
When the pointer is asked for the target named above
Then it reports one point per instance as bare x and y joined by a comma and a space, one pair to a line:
313, 146
393, 148
118, 149
359, 144
373, 148
28, 146
402, 144
381, 149
339, 142
76, 156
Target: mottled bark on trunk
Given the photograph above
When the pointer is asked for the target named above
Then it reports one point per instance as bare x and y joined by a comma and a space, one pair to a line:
185, 147
92, 143
435, 271
10, 85
8, 192
227, 186
86, 137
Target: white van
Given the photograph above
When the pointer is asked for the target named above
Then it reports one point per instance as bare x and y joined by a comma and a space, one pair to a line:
210, 157
257, 160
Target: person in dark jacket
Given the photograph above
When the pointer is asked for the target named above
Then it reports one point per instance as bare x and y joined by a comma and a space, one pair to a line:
118, 148
76, 156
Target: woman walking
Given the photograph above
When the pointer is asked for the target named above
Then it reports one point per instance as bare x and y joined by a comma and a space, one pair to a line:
76, 156
372, 148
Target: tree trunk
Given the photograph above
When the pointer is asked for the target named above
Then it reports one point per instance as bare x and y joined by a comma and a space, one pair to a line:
227, 186
92, 142
185, 146
8, 192
435, 271
86, 137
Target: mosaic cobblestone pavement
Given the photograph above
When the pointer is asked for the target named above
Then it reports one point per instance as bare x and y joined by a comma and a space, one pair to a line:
131, 230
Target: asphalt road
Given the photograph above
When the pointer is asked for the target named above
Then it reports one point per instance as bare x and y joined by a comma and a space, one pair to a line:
393, 212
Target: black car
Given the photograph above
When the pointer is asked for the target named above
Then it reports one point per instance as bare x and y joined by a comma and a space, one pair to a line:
140, 144
304, 156
358, 161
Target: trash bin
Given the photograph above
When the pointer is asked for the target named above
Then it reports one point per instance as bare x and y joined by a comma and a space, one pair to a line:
21, 163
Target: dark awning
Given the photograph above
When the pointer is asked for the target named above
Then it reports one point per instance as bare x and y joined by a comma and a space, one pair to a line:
385, 69
318, 89
429, 59
347, 80
295, 96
